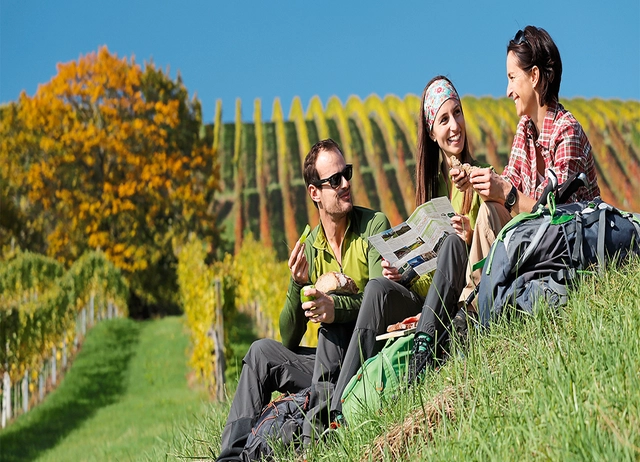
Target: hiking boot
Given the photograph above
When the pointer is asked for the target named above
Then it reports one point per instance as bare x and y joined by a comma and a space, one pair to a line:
461, 323
337, 420
421, 357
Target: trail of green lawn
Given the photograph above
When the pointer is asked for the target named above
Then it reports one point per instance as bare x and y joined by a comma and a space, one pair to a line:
123, 399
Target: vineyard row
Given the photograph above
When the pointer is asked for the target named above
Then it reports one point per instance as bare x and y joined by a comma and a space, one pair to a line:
44, 315
263, 190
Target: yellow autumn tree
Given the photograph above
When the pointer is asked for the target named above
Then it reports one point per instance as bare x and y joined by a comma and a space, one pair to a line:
113, 156
16, 228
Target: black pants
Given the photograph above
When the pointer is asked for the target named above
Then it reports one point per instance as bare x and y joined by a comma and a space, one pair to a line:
386, 302
269, 366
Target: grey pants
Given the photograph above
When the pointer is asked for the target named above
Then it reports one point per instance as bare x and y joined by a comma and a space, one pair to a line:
269, 366
386, 302
441, 303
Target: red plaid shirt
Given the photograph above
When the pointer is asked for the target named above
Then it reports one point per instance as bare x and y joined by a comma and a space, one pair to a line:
564, 147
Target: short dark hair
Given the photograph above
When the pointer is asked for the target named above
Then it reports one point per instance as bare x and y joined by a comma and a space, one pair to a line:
310, 172
533, 46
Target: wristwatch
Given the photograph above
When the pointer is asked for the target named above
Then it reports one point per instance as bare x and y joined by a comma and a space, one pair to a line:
511, 199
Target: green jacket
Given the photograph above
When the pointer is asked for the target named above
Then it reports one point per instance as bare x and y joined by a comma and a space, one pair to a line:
360, 261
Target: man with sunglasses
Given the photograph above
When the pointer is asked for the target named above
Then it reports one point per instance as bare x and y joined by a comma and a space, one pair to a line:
339, 243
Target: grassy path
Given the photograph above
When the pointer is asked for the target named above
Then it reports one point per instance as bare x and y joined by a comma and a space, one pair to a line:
125, 398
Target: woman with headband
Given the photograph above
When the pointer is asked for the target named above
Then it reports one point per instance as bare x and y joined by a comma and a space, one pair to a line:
441, 137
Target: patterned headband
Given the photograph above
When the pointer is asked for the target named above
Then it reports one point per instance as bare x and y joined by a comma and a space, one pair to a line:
437, 93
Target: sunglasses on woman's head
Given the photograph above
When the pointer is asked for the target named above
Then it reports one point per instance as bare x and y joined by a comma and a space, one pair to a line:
520, 38
335, 180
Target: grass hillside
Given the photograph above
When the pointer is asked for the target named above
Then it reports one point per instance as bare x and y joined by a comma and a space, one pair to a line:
553, 387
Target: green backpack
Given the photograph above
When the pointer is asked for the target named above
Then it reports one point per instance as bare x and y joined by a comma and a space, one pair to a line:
377, 379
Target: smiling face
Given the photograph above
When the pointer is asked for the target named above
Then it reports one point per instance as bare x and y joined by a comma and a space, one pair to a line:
449, 128
333, 202
521, 87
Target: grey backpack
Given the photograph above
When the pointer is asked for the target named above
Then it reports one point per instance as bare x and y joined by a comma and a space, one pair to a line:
537, 255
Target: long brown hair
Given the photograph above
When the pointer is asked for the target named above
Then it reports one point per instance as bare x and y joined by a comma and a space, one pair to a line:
428, 156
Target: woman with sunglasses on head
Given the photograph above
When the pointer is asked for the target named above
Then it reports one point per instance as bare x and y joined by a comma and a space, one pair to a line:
442, 137
547, 137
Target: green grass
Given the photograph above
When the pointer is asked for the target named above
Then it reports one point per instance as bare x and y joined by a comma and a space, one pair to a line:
125, 398
551, 387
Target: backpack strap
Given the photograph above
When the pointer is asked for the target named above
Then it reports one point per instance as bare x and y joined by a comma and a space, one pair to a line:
533, 245
478, 265
577, 257
602, 228
387, 366
559, 281
514, 222
635, 221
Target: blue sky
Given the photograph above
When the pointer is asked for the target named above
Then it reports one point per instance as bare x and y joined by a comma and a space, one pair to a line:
267, 49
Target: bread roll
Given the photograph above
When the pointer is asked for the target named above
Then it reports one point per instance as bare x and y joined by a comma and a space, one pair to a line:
336, 283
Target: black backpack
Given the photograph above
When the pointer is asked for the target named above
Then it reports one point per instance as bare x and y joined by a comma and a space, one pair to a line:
537, 255
281, 420
291, 420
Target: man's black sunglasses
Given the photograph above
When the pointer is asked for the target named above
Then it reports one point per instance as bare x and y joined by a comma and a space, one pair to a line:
335, 180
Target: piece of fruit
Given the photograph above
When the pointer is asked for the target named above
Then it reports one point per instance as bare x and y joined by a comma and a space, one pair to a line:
306, 298
305, 233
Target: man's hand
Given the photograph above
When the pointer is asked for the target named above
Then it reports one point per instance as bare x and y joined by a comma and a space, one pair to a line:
389, 271
321, 309
489, 185
462, 226
298, 265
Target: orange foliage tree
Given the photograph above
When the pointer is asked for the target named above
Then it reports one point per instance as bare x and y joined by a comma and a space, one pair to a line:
111, 156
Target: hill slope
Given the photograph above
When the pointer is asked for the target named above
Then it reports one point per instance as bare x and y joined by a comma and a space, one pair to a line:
556, 387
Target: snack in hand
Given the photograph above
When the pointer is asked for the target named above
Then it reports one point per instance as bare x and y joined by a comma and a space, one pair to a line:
455, 163
305, 233
306, 298
336, 283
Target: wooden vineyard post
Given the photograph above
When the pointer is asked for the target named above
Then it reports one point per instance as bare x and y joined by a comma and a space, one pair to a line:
91, 309
83, 316
25, 391
54, 368
64, 353
218, 343
6, 398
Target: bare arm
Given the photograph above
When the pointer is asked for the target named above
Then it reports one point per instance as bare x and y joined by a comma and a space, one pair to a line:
492, 187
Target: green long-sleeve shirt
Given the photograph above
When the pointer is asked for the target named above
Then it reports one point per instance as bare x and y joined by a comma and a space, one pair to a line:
360, 261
